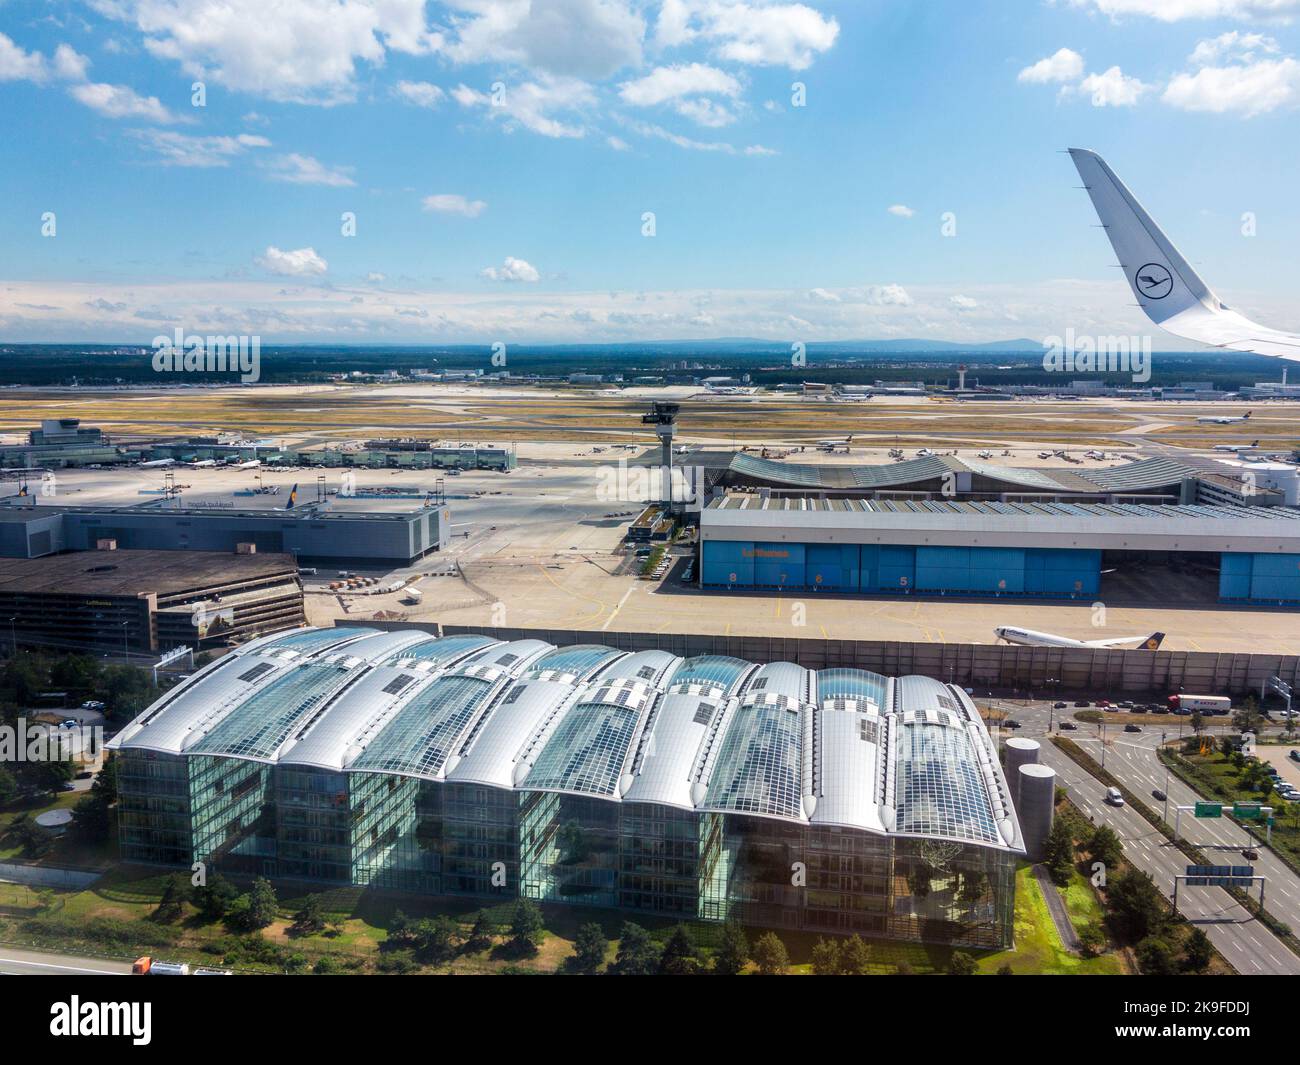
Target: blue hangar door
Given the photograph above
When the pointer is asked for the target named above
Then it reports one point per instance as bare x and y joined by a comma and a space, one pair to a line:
831, 566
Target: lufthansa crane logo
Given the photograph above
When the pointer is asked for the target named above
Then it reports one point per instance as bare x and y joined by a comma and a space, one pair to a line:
1154, 281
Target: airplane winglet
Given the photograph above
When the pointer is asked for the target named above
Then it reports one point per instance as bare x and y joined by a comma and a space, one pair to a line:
1169, 291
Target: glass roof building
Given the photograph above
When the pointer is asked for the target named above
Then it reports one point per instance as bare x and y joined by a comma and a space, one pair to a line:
706, 788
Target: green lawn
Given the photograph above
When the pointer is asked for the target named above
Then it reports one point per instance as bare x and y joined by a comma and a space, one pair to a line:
1038, 948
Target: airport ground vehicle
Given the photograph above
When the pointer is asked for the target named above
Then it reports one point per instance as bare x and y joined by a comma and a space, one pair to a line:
1214, 704
1113, 797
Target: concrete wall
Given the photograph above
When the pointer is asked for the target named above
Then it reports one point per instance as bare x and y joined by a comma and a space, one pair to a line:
1080, 670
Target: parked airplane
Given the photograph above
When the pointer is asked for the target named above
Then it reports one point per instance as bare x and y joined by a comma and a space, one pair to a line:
293, 498
1234, 448
1224, 420
1030, 638
1167, 288
157, 464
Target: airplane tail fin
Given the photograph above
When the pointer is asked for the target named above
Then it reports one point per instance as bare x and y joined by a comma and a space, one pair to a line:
1246, 417
1161, 279
1153, 642
293, 498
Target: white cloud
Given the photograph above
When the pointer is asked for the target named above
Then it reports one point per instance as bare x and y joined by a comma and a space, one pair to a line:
121, 101
886, 296
587, 39
1063, 65
1249, 89
617, 143
376, 277
674, 82
454, 203
1113, 88
1178, 10
307, 54
823, 295
18, 65
901, 211
299, 169
178, 149
70, 64
301, 262
1232, 45
512, 270
964, 303
656, 132
532, 103
753, 32
421, 93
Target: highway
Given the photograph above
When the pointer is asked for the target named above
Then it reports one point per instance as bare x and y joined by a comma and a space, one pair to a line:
1247, 944
15, 962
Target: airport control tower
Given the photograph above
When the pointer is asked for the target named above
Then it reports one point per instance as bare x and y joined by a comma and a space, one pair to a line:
663, 416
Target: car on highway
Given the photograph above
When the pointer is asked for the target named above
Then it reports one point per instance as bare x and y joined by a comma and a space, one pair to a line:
1113, 797
1082, 702
1250, 854
1011, 722
1158, 795
1068, 726
1132, 728
1294, 755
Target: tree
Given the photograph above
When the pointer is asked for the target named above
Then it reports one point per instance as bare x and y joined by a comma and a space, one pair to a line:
770, 955
172, 903
1092, 940
589, 947
8, 786
105, 785
1059, 852
1198, 952
733, 951
50, 775
435, 939
215, 898
310, 917
637, 955
855, 956
480, 936
1137, 904
1005, 969
904, 968
962, 964
526, 928
679, 957
262, 904
1104, 845
1156, 957
1197, 722
826, 957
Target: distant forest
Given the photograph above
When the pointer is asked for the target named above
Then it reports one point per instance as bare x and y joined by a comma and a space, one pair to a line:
766, 363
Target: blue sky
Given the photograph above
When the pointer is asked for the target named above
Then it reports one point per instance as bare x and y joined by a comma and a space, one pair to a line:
518, 214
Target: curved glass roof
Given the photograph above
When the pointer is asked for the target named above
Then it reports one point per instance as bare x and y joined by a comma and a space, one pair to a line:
939, 790
418, 741
711, 669
851, 684
760, 765
579, 658
912, 757
587, 751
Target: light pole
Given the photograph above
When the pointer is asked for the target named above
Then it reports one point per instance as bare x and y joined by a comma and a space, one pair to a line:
126, 656
13, 633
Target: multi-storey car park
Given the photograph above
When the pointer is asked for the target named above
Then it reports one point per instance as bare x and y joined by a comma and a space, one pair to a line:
705, 788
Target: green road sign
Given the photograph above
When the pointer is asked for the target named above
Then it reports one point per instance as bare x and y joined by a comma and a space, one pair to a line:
1209, 809
1247, 811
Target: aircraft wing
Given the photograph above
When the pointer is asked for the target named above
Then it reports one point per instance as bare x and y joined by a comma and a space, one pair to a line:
1167, 288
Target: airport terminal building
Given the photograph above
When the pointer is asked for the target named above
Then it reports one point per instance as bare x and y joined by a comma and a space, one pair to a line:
706, 788
1026, 549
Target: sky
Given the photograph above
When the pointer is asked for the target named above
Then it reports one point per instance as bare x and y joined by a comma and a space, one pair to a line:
480, 171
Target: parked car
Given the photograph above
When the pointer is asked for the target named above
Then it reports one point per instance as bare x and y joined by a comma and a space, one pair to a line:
1082, 702
1126, 705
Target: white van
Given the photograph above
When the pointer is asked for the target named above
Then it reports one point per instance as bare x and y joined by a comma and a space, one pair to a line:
1114, 797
